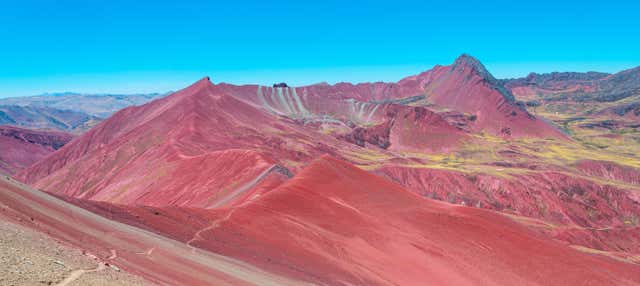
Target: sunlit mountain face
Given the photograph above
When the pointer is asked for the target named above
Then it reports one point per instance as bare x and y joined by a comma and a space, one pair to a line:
447, 177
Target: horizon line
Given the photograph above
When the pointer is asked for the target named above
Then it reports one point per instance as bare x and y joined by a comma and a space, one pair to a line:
150, 82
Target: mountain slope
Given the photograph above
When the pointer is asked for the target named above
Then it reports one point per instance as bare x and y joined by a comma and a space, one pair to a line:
148, 154
591, 86
212, 146
20, 148
96, 105
465, 87
157, 258
43, 117
69, 112
337, 225
586, 94
21, 243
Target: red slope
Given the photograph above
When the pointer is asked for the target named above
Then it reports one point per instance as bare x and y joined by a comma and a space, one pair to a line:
465, 86
406, 128
198, 148
395, 126
336, 224
555, 197
421, 130
574, 209
534, 84
159, 259
609, 171
20, 148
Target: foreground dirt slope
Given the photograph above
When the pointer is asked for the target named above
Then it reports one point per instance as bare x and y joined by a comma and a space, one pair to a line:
335, 224
154, 257
32, 258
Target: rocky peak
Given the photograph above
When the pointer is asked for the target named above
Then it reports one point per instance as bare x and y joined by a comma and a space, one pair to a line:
467, 63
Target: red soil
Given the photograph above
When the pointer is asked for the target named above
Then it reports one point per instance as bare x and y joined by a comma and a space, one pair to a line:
465, 87
210, 166
204, 148
149, 154
610, 171
336, 224
602, 217
20, 148
157, 258
409, 129
385, 125
552, 196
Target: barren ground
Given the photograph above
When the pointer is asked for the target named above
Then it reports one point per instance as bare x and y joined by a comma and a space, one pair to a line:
31, 258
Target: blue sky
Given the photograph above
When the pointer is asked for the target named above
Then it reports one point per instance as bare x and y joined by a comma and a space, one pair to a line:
154, 46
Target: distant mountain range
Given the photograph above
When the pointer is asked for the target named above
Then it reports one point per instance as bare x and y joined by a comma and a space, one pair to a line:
72, 112
580, 94
616, 94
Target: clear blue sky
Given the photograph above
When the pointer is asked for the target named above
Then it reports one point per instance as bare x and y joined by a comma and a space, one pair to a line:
149, 46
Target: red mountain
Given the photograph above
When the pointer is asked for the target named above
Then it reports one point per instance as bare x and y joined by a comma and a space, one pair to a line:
20, 148
157, 258
345, 226
334, 224
226, 168
148, 154
465, 87
210, 146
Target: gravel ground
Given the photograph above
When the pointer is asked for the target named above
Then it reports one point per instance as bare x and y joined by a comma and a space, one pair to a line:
28, 257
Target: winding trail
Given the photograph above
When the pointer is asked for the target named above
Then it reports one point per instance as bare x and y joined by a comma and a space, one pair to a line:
76, 274
172, 263
244, 188
213, 225
237, 192
247, 186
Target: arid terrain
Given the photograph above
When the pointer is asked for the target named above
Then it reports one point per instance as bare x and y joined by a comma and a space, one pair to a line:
446, 177
32, 258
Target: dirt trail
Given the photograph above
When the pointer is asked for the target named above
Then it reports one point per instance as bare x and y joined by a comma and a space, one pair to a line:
247, 186
197, 236
29, 257
172, 262
213, 225
75, 274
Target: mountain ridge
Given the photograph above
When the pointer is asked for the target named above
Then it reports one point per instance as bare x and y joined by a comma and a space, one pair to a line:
23, 147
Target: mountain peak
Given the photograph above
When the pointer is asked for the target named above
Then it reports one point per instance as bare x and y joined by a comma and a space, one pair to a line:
466, 61
204, 81
196, 87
